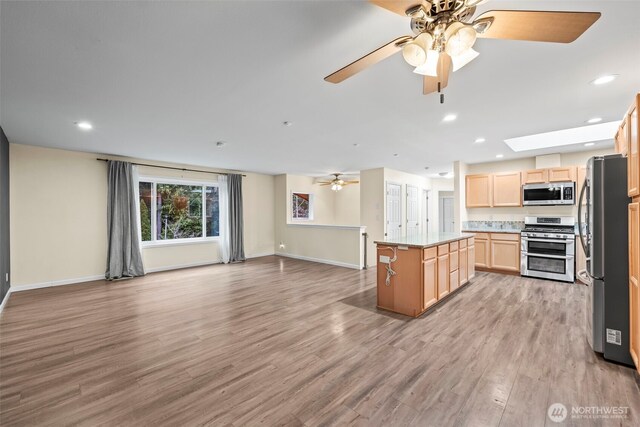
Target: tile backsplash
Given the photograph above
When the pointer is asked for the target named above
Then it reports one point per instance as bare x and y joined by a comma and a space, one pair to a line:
492, 225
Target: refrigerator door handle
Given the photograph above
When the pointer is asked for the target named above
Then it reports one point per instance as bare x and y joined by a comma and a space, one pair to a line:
580, 225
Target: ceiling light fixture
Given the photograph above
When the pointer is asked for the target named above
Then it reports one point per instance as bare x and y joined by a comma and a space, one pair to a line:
84, 125
604, 79
480, 140
589, 144
449, 118
594, 120
499, 156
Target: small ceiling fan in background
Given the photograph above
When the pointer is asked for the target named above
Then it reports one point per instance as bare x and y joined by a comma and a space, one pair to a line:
445, 33
337, 183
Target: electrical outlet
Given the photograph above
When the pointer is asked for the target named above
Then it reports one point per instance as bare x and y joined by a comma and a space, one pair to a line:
384, 259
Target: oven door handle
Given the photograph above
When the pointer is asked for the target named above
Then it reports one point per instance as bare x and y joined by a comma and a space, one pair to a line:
567, 241
547, 256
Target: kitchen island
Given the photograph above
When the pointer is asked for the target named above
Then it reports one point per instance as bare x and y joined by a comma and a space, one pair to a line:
415, 273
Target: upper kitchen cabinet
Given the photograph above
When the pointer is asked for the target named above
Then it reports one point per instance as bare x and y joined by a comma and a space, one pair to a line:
506, 189
633, 157
535, 176
478, 191
562, 174
622, 137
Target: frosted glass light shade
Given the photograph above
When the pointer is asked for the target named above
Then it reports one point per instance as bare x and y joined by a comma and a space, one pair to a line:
463, 59
459, 38
430, 67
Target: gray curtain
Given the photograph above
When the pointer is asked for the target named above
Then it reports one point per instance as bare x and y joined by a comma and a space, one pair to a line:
236, 225
123, 255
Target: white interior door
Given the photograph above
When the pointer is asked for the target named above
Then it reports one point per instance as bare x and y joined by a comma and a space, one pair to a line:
446, 215
425, 211
413, 211
394, 211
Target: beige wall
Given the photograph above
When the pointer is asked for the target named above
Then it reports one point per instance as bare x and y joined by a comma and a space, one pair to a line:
518, 213
58, 218
372, 211
322, 239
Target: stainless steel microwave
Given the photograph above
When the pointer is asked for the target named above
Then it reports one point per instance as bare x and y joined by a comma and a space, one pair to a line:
555, 193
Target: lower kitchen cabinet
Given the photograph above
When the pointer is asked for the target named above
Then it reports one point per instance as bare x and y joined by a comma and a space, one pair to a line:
462, 265
494, 251
634, 281
454, 280
483, 250
471, 259
443, 271
430, 272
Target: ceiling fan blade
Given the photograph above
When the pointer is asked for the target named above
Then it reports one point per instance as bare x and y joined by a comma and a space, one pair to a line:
325, 183
539, 26
351, 182
369, 59
430, 84
400, 6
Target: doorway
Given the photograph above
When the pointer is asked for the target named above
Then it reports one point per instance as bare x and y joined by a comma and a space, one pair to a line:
413, 211
425, 211
447, 223
394, 211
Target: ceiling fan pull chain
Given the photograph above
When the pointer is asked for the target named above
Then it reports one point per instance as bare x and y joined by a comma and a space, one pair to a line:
442, 98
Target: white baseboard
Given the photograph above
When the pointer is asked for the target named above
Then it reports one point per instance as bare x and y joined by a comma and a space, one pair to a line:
260, 255
18, 288
6, 298
321, 261
181, 266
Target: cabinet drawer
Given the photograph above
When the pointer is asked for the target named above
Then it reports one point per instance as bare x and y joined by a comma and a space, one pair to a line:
453, 246
430, 253
462, 243
505, 236
443, 250
484, 236
471, 241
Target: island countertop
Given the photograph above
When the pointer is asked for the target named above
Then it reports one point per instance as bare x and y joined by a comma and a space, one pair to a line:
425, 240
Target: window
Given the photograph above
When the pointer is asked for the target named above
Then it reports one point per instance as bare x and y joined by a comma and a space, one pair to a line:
302, 206
178, 211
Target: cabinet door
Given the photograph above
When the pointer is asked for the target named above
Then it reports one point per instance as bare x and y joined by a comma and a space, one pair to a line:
462, 265
430, 294
506, 189
478, 191
443, 275
471, 261
482, 253
505, 255
562, 174
634, 281
633, 157
453, 280
535, 176
453, 260
622, 141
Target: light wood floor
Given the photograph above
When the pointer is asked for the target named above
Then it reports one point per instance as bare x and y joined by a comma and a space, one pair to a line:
278, 341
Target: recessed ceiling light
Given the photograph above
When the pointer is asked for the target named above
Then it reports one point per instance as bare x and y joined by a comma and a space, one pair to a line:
84, 125
220, 144
589, 144
499, 156
594, 120
356, 145
449, 118
443, 173
395, 155
287, 124
480, 140
604, 79
426, 167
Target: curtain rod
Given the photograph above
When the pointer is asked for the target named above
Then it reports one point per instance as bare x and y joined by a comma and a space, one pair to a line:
169, 167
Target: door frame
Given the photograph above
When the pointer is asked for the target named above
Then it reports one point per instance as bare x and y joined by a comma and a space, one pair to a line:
386, 205
441, 199
418, 208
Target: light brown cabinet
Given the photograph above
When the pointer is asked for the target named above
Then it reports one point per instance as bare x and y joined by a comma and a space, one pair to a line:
633, 156
562, 174
622, 137
443, 275
482, 250
478, 191
634, 281
430, 274
462, 267
506, 189
535, 176
471, 260
505, 252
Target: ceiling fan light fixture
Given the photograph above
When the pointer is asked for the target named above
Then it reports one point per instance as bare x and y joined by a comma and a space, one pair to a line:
482, 25
416, 51
430, 67
336, 187
463, 59
471, 3
459, 38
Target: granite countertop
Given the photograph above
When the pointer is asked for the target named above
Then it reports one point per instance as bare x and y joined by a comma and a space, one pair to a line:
425, 240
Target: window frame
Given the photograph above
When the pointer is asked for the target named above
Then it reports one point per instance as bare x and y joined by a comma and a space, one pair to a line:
154, 180
311, 206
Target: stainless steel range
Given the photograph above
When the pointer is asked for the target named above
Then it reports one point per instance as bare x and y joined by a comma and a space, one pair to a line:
548, 246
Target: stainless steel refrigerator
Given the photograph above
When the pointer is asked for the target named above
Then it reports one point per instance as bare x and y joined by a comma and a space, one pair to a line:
604, 237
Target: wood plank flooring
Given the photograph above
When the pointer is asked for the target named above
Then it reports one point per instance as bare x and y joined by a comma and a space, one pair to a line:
276, 341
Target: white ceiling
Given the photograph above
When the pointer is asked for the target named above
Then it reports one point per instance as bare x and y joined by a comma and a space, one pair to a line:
166, 80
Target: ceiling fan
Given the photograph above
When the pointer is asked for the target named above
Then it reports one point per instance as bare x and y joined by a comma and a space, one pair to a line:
445, 33
337, 183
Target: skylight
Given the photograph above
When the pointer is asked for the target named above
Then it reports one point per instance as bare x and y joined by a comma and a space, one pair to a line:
560, 138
